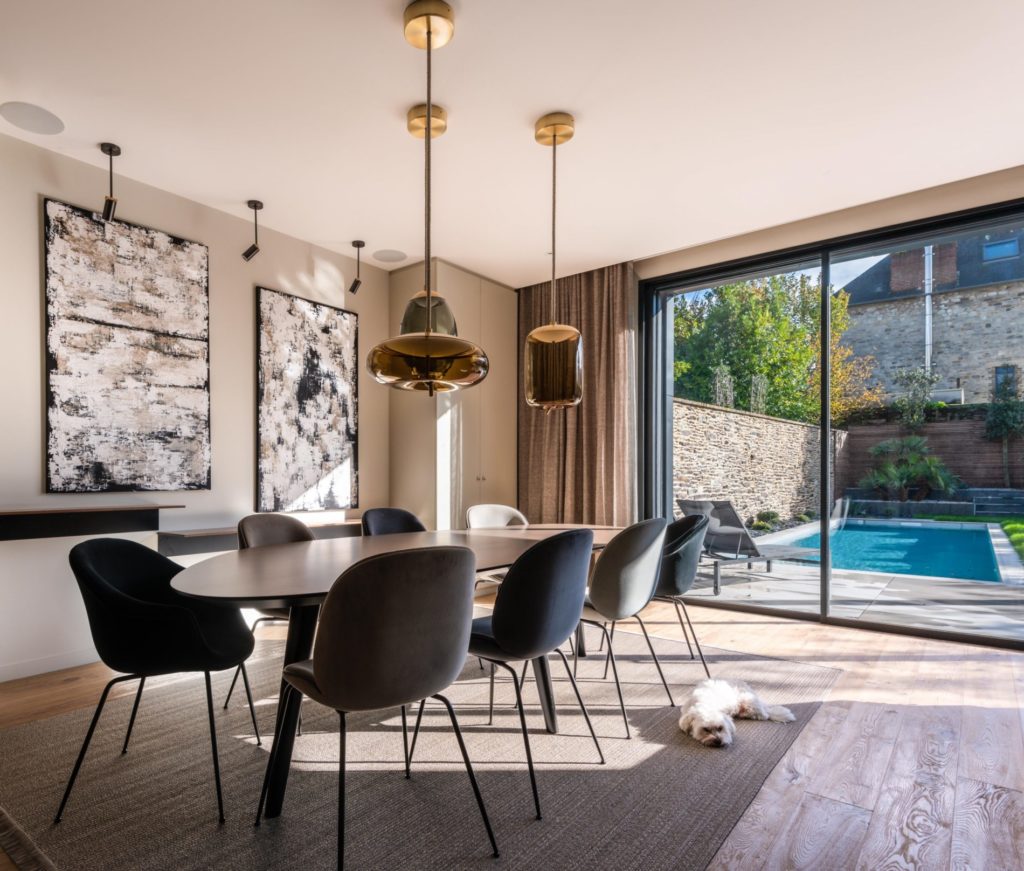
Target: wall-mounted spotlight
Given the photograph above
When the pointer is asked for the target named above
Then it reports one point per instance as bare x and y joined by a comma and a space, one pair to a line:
253, 249
109, 201
359, 244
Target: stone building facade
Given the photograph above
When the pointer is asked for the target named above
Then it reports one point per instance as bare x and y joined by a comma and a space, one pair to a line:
761, 463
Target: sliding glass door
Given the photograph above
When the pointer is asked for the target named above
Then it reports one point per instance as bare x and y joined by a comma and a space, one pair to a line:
892, 494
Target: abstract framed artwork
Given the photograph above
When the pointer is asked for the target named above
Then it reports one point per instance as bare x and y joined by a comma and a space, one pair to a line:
127, 356
307, 404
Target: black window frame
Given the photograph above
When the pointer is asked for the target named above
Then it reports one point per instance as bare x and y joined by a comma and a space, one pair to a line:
1002, 257
656, 387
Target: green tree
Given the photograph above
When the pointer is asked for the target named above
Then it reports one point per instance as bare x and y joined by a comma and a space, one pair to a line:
765, 332
1005, 421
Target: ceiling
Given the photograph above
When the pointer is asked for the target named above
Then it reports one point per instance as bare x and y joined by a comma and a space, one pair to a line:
696, 120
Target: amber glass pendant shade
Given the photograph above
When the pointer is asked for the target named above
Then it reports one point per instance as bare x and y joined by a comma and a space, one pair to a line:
414, 320
553, 367
427, 361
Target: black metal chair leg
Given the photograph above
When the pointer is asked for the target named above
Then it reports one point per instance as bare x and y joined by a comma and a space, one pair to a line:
576, 649
213, 746
131, 720
615, 673
341, 789
657, 662
88, 738
526, 736
611, 635
695, 641
416, 731
231, 688
583, 707
405, 742
469, 771
682, 625
252, 707
490, 706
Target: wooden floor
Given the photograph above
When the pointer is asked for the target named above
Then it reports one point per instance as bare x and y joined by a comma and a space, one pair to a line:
916, 759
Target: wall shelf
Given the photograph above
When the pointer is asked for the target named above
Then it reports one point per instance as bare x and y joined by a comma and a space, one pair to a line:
39, 522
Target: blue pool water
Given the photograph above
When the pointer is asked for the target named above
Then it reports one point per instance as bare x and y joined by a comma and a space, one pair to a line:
912, 550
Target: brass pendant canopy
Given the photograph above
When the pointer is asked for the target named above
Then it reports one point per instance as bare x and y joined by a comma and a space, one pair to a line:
433, 15
416, 120
427, 355
553, 353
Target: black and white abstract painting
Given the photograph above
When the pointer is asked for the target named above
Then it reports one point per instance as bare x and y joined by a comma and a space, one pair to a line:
127, 356
307, 444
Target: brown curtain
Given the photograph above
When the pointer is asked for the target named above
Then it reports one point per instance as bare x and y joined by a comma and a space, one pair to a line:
578, 465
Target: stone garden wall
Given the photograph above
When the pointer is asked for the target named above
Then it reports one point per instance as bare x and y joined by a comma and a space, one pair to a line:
761, 463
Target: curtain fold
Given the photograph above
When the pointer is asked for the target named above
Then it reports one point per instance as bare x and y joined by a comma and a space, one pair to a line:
578, 465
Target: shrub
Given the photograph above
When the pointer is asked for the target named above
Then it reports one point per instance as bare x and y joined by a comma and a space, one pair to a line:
768, 516
761, 525
804, 518
906, 465
917, 385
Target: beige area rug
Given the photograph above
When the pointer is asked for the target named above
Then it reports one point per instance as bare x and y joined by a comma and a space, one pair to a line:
660, 801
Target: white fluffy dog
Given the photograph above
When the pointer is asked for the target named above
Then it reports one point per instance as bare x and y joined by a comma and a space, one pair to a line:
709, 710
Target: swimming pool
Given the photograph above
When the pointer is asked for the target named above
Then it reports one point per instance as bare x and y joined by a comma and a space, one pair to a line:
909, 549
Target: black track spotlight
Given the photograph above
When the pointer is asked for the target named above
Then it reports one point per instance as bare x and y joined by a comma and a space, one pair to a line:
110, 201
357, 282
253, 249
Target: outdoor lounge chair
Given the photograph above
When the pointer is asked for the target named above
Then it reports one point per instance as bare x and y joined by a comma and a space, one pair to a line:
729, 541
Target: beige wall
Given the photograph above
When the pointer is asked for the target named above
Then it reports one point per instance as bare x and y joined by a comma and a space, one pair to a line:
972, 192
42, 623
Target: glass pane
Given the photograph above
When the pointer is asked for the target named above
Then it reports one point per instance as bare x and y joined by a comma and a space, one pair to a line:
745, 434
926, 398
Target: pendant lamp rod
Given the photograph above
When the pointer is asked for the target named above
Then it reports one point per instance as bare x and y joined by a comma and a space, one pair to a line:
554, 201
426, 164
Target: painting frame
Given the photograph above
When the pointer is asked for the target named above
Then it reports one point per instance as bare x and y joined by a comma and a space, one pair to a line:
345, 323
190, 455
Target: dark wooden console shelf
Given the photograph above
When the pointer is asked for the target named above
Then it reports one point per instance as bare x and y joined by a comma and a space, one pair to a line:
181, 542
21, 523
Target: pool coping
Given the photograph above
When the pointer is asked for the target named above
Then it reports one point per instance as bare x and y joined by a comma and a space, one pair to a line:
1008, 562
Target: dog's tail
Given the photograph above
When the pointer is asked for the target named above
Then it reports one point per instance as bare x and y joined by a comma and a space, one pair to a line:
780, 714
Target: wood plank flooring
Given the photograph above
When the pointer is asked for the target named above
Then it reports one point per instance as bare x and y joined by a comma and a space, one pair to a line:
915, 761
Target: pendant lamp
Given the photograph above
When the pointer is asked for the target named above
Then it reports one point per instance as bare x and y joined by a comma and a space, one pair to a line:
428, 358
110, 201
553, 354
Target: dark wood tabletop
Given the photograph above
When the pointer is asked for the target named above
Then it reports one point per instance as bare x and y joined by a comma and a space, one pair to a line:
302, 573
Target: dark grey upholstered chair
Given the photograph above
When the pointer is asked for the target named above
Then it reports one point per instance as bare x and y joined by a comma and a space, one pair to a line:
684, 541
385, 521
622, 585
394, 629
261, 530
536, 610
143, 627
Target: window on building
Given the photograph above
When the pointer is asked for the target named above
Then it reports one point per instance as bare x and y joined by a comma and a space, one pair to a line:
1001, 250
1006, 380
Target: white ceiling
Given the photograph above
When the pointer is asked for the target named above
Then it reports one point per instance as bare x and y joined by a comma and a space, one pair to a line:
696, 119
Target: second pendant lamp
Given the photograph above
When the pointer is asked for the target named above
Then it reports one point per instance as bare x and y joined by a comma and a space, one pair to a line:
553, 355
428, 355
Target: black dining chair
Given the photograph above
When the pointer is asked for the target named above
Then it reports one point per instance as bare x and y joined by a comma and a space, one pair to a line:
386, 521
141, 626
621, 586
394, 629
684, 541
536, 610
262, 530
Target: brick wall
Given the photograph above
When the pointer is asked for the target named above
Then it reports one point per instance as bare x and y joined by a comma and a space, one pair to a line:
961, 444
761, 463
973, 331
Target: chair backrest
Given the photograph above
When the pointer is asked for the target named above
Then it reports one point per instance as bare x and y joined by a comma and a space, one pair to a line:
395, 628
384, 521
684, 541
260, 530
626, 573
115, 577
494, 517
539, 603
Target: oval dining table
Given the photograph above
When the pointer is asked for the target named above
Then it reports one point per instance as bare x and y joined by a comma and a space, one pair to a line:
298, 577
